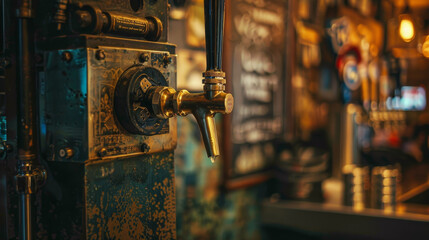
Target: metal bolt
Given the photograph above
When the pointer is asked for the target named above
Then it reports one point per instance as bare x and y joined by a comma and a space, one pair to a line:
145, 84
100, 55
144, 57
66, 152
144, 148
67, 56
167, 60
142, 114
102, 152
63, 153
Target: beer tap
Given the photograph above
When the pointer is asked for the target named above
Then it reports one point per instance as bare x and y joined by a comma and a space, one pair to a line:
167, 102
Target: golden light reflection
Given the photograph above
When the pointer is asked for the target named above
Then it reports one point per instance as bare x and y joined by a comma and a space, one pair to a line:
406, 29
425, 47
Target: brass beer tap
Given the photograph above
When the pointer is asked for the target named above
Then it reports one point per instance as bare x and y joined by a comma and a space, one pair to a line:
167, 102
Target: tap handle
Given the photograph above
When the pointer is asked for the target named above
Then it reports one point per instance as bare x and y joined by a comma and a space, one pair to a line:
214, 16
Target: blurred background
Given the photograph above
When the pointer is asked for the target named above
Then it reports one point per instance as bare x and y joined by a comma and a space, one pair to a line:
329, 134
328, 139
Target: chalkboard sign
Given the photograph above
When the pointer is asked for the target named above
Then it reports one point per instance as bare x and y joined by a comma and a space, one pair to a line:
254, 62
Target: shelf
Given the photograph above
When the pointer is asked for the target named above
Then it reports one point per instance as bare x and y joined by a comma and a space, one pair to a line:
333, 220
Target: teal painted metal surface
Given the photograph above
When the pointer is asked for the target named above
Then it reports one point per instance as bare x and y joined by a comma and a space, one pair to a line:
3, 129
131, 198
65, 111
126, 198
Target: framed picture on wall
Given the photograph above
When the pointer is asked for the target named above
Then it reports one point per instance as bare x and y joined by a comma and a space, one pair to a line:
254, 62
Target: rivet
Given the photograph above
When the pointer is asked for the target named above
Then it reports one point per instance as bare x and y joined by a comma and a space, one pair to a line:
144, 57
67, 56
102, 152
66, 152
144, 148
167, 60
100, 55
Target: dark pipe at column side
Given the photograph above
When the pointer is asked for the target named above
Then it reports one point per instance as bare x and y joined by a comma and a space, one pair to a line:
26, 87
213, 14
26, 113
25, 212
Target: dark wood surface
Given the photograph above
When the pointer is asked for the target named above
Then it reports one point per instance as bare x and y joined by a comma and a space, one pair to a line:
332, 221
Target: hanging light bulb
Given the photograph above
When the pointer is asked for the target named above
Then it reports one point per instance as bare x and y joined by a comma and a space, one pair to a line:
406, 25
406, 28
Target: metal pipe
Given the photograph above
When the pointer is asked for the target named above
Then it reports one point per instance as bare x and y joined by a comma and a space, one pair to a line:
26, 85
27, 133
25, 213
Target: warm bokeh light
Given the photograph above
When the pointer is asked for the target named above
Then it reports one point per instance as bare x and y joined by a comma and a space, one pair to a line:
425, 47
406, 30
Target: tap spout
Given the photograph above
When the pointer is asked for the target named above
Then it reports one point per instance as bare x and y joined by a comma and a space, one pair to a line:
207, 126
204, 110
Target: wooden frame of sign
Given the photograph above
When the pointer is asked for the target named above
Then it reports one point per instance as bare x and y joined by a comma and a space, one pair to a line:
254, 63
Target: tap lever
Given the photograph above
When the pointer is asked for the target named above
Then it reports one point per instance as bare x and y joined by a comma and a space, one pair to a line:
213, 15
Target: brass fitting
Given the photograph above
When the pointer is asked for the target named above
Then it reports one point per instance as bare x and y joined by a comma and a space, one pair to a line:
29, 178
167, 102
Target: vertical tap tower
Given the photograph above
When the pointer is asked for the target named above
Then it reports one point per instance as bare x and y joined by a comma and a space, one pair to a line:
166, 102
105, 107
109, 160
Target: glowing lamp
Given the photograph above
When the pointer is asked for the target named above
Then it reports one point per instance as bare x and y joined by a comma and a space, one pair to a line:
406, 28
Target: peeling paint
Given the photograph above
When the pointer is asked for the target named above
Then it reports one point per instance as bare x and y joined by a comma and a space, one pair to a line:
141, 206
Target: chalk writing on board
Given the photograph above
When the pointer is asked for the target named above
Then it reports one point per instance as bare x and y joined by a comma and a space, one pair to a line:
257, 37
257, 73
